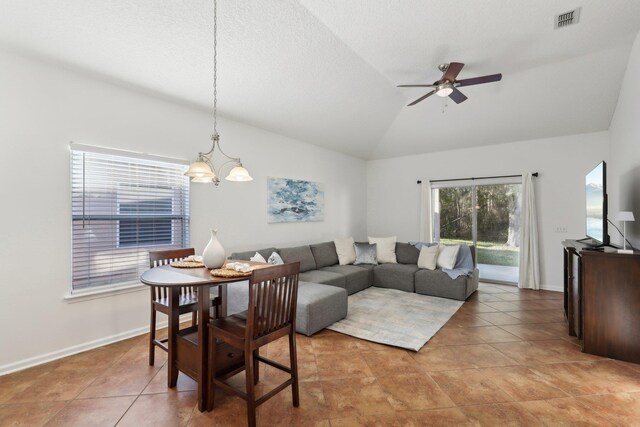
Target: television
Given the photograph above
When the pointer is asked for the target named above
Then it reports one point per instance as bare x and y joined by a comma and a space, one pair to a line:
596, 204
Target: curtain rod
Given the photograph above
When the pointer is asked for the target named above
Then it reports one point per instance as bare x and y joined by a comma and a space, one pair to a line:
535, 174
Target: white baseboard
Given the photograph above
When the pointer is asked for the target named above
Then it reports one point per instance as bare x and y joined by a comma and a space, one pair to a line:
553, 288
69, 351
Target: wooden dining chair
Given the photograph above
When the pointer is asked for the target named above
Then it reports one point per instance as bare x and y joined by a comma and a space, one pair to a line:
188, 302
271, 314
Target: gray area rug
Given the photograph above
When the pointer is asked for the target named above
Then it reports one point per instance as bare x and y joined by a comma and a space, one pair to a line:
396, 318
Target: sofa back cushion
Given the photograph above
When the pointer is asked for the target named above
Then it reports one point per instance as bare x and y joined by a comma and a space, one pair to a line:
302, 254
244, 256
406, 253
325, 254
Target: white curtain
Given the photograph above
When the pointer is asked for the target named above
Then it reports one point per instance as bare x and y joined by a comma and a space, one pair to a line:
426, 216
529, 257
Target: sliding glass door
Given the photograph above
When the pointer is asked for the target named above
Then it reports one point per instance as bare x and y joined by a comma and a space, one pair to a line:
487, 216
453, 215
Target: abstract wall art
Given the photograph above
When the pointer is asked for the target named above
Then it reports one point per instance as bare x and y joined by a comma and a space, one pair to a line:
291, 200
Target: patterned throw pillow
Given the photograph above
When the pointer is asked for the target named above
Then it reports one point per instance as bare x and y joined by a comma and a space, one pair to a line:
257, 258
275, 259
366, 253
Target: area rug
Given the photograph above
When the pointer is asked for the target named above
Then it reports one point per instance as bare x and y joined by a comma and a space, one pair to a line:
397, 318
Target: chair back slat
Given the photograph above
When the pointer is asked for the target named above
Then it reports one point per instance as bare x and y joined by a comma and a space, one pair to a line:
273, 292
158, 258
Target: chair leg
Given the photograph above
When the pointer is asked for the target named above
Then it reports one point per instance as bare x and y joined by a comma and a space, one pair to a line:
211, 385
251, 393
152, 336
256, 366
194, 318
293, 355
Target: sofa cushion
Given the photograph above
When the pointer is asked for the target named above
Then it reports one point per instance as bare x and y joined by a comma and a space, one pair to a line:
325, 254
324, 277
437, 283
395, 276
244, 256
319, 306
302, 254
356, 277
406, 253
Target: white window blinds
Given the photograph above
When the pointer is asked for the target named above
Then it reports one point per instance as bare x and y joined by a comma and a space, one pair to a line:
124, 205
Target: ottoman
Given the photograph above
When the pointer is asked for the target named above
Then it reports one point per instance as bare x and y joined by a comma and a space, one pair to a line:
319, 306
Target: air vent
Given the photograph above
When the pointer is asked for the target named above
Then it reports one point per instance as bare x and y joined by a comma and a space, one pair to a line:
568, 18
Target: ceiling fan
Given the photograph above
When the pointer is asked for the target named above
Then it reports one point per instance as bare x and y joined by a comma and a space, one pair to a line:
448, 85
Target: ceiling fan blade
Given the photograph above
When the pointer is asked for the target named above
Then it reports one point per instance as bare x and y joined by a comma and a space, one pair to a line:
416, 86
457, 96
453, 71
479, 80
422, 98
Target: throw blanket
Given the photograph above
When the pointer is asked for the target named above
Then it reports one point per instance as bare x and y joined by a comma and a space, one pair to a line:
464, 262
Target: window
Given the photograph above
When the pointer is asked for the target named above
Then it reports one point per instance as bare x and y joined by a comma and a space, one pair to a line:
124, 205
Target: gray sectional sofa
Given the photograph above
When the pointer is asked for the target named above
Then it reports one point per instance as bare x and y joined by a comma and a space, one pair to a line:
319, 305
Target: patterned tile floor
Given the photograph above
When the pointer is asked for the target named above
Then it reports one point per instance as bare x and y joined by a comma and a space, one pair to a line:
503, 359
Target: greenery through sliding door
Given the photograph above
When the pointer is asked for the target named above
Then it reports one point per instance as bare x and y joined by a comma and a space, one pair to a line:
487, 216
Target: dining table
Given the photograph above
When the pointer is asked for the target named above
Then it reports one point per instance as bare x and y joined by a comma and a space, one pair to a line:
188, 348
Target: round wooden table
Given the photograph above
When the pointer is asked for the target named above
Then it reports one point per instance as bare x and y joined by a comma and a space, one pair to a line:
201, 278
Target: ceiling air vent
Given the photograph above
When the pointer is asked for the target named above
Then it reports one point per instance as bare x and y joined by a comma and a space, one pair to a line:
567, 18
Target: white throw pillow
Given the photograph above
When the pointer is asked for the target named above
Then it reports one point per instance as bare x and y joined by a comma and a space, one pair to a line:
428, 257
448, 256
257, 258
275, 259
386, 249
346, 251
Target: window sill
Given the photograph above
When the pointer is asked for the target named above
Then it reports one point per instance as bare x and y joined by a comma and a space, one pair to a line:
104, 292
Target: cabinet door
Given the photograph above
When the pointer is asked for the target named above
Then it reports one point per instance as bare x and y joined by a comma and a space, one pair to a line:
611, 305
576, 295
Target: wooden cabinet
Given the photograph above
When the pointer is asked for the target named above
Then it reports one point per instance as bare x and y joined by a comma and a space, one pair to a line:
602, 300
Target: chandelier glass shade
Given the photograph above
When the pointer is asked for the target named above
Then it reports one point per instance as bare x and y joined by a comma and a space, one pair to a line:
204, 170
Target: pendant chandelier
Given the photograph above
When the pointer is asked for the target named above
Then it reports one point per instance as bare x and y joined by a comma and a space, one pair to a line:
203, 170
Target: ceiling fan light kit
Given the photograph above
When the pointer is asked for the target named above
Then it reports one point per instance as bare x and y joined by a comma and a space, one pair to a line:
444, 90
447, 85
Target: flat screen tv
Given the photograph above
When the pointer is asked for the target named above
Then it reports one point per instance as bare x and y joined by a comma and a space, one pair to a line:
596, 209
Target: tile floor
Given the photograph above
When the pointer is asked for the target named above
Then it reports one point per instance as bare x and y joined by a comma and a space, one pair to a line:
503, 359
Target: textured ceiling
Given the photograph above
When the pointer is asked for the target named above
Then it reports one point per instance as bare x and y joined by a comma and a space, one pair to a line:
325, 71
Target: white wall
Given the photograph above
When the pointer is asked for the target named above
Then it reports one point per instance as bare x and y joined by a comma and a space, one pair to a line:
393, 197
42, 109
624, 169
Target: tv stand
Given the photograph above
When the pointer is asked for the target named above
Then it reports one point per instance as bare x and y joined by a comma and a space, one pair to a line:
593, 243
602, 300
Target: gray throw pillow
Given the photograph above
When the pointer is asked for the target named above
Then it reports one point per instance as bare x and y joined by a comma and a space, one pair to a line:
366, 253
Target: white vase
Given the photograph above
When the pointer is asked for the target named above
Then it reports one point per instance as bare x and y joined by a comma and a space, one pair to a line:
213, 255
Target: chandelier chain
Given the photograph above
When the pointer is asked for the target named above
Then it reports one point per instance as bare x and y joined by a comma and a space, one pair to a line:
215, 67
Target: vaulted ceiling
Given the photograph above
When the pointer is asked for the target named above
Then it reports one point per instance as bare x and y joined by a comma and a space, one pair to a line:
325, 71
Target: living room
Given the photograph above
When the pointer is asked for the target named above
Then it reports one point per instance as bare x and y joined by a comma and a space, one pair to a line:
306, 91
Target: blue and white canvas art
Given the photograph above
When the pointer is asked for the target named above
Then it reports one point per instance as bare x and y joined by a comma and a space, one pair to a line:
291, 200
